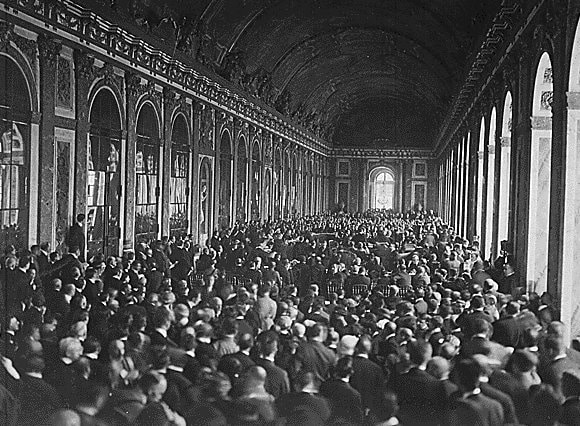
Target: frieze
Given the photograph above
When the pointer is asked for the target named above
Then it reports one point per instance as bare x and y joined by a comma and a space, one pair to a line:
89, 27
505, 23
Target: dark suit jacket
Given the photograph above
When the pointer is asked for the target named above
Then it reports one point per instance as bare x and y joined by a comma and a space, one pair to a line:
345, 401
315, 357
420, 397
277, 382
570, 414
467, 321
38, 400
478, 410
507, 332
157, 339
76, 237
504, 399
301, 408
63, 268
552, 372
369, 380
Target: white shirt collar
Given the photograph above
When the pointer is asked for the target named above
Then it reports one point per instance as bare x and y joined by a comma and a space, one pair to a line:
162, 331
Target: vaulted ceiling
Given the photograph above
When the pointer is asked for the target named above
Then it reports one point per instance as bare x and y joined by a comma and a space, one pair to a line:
358, 72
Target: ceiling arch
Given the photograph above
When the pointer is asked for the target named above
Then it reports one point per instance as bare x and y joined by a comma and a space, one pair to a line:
328, 61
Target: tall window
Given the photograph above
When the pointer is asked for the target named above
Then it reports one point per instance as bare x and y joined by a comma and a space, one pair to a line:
383, 190
104, 176
179, 188
147, 169
15, 128
540, 177
505, 170
480, 179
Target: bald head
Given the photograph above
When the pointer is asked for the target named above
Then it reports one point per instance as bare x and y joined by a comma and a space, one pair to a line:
438, 367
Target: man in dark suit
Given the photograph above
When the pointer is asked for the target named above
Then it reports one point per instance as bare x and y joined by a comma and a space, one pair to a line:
246, 343
277, 382
313, 356
62, 375
471, 406
38, 399
557, 363
76, 236
368, 377
64, 267
506, 330
19, 286
468, 318
305, 406
419, 393
162, 324
345, 401
570, 413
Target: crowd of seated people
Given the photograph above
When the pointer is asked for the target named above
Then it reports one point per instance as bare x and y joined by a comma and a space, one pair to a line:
371, 318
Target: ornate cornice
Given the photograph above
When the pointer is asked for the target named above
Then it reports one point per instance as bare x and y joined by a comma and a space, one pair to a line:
80, 23
509, 21
370, 153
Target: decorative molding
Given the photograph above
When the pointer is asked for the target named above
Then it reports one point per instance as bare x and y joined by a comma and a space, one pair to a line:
82, 24
370, 153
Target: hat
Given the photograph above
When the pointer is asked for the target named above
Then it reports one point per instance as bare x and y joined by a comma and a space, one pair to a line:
347, 345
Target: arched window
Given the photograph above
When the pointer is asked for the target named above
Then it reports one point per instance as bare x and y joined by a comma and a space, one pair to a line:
382, 189
480, 199
225, 184
179, 188
242, 171
540, 174
147, 185
490, 186
15, 107
104, 176
505, 170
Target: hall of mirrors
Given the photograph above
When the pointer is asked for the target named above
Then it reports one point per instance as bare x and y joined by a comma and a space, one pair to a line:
148, 143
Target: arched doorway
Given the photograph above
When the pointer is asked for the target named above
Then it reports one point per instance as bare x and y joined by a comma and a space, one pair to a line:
540, 173
225, 198
490, 186
147, 183
241, 178
205, 198
382, 189
179, 188
480, 199
15, 107
505, 170
104, 176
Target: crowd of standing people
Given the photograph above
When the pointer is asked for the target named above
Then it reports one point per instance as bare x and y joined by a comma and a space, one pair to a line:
370, 318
